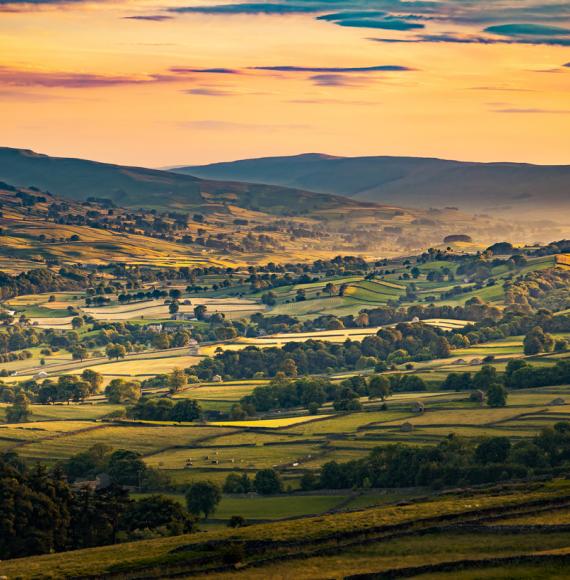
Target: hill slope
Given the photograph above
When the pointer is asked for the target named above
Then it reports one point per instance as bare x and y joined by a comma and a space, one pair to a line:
409, 181
140, 187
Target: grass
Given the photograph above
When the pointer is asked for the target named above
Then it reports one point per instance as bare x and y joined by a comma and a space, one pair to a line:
347, 423
68, 412
145, 440
234, 457
270, 423
309, 533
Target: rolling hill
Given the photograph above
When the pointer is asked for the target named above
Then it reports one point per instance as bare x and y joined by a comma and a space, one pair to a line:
410, 181
80, 179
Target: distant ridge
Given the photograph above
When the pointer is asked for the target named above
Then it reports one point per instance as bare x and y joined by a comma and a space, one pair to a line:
127, 186
409, 181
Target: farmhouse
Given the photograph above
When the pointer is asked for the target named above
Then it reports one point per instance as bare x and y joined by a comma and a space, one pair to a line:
183, 316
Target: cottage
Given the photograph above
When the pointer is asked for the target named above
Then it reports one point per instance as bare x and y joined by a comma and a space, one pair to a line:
217, 379
40, 375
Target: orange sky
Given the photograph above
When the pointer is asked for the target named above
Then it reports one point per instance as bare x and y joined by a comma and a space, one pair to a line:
82, 80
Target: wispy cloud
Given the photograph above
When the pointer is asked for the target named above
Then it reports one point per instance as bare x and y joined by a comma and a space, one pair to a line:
248, 8
217, 125
72, 80
532, 111
208, 92
207, 71
527, 30
149, 17
334, 69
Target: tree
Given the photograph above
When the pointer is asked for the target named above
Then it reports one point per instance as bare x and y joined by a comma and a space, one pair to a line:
94, 379
203, 497
267, 482
79, 352
269, 299
77, 323
200, 311
121, 391
173, 307
177, 380
237, 484
115, 351
494, 450
537, 341
19, 410
496, 395
127, 468
485, 377
157, 513
330, 289
186, 411
379, 387
440, 347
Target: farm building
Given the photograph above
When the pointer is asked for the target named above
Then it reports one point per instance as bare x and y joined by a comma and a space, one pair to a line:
418, 407
406, 427
557, 401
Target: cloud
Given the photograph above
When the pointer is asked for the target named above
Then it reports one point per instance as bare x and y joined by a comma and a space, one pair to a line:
208, 92
149, 17
350, 15
215, 125
527, 29
71, 80
335, 80
532, 111
386, 24
216, 71
477, 39
502, 89
248, 8
332, 70
322, 101
567, 65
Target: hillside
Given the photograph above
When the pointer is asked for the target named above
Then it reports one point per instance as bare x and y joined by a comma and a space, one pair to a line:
410, 181
80, 179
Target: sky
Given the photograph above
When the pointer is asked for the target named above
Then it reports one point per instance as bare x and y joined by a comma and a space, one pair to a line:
171, 82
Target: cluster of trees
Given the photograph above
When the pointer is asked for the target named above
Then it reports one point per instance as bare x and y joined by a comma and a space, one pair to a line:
63, 390
537, 341
453, 462
474, 309
42, 513
539, 289
163, 409
312, 392
266, 482
401, 344
42, 280
123, 467
519, 374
